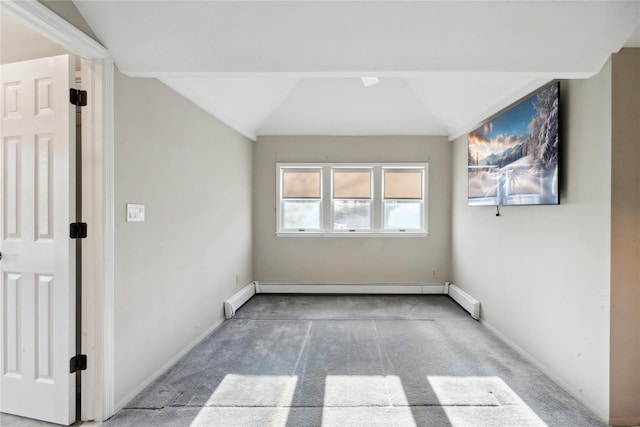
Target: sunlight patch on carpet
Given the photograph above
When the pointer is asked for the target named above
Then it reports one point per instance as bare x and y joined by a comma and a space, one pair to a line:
467, 400
254, 390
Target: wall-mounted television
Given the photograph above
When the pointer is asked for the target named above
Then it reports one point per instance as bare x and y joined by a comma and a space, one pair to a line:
513, 157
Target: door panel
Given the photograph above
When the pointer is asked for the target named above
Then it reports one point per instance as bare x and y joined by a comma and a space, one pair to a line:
37, 271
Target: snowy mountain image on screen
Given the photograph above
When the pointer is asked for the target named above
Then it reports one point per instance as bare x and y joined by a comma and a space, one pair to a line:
513, 159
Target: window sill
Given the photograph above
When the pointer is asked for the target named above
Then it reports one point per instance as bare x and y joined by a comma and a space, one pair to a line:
353, 234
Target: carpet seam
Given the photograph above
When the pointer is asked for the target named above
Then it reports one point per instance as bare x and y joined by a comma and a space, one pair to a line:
425, 405
384, 372
236, 318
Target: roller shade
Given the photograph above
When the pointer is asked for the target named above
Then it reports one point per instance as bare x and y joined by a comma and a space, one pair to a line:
403, 183
352, 184
301, 183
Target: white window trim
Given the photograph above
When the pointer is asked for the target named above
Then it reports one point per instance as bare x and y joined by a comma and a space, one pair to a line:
377, 201
331, 225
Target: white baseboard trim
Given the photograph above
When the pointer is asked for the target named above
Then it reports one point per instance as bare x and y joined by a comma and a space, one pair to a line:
238, 299
465, 300
549, 373
348, 288
161, 370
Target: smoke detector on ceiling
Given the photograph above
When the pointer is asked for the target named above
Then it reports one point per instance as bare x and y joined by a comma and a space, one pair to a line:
369, 81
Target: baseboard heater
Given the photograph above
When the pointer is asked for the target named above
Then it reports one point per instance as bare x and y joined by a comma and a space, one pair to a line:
238, 299
465, 300
232, 304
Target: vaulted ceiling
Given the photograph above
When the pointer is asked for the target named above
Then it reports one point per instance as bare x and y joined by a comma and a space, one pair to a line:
294, 67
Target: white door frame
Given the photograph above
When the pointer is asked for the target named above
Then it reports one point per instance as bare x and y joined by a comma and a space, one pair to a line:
97, 202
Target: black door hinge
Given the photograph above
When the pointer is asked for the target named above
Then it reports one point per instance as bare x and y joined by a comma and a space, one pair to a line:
78, 363
78, 230
78, 97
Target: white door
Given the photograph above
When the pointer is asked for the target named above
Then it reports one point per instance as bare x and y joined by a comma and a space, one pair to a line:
37, 270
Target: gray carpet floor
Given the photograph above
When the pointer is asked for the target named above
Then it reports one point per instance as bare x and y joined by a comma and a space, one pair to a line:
296, 360
288, 360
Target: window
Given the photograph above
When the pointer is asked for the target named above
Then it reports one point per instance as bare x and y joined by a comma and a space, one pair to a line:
351, 199
301, 203
403, 199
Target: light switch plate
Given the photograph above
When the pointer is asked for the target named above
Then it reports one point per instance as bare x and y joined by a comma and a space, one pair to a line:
135, 212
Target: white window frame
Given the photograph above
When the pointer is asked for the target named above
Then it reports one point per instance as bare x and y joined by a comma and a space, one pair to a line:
332, 200
326, 201
279, 201
422, 200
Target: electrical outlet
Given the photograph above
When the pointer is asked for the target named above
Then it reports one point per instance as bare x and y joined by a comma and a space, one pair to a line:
434, 274
237, 280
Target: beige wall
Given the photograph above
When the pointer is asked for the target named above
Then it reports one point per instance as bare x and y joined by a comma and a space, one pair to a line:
542, 272
625, 239
352, 259
174, 271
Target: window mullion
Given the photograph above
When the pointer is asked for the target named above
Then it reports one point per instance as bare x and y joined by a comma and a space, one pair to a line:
279, 224
377, 199
425, 197
327, 205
